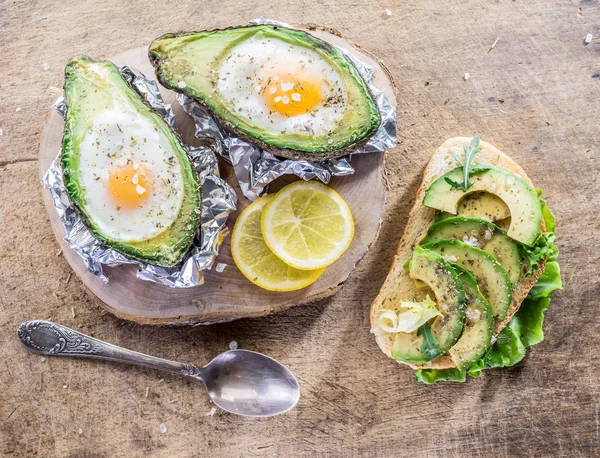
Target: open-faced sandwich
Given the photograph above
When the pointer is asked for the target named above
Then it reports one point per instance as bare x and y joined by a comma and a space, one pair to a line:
474, 269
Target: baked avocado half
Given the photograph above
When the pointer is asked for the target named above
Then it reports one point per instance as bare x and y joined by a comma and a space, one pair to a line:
282, 89
125, 170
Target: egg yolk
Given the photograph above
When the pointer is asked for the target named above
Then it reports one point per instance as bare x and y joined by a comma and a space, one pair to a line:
291, 93
128, 186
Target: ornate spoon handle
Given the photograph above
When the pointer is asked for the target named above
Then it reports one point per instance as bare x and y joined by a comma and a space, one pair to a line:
50, 338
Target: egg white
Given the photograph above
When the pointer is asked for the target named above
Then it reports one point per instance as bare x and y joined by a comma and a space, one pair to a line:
116, 137
238, 84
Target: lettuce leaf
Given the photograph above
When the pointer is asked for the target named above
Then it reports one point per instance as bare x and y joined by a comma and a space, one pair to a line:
523, 331
430, 376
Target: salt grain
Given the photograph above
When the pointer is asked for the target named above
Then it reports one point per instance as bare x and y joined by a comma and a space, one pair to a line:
46, 66
1, 132
181, 85
588, 39
285, 99
80, 431
272, 89
212, 412
233, 345
140, 189
135, 178
277, 99
467, 76
388, 13
287, 86
220, 267
43, 358
147, 392
18, 109
296, 97
163, 428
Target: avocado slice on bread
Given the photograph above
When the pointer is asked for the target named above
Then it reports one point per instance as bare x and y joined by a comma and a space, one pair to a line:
478, 327
480, 234
431, 269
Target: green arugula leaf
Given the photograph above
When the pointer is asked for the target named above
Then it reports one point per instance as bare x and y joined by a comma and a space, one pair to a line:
429, 342
470, 153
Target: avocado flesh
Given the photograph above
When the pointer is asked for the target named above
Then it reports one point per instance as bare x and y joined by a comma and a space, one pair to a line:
478, 327
430, 268
188, 62
91, 88
519, 197
481, 234
491, 277
479, 205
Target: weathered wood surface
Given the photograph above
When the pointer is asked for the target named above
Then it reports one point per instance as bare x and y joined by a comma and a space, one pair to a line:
535, 96
227, 295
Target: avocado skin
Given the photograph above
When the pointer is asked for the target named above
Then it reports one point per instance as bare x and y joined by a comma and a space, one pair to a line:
321, 152
182, 231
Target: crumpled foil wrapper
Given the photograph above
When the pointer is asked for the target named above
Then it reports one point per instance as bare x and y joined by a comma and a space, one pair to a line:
218, 200
256, 168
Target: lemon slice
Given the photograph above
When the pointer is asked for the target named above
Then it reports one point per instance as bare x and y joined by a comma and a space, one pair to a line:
307, 225
257, 262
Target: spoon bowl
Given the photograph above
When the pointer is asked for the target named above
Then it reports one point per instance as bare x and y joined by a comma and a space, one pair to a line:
251, 384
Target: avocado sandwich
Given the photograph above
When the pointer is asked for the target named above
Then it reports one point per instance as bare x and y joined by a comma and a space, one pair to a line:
474, 269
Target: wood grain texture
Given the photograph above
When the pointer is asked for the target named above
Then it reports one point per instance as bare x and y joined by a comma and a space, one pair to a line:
228, 295
354, 400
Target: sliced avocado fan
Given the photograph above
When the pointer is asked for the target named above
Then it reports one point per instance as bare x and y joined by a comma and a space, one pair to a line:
201, 64
95, 144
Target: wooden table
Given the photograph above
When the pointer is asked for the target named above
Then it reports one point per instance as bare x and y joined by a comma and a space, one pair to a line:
535, 95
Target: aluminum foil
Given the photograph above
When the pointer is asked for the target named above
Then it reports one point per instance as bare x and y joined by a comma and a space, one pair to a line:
256, 168
218, 200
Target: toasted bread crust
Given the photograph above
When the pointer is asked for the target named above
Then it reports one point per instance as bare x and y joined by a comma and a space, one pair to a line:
398, 286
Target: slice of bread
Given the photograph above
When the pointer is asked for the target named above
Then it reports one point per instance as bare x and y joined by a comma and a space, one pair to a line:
398, 286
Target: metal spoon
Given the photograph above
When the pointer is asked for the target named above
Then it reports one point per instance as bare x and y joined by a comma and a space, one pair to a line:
239, 381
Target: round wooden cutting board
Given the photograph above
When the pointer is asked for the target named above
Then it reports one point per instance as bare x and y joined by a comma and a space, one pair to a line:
228, 295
